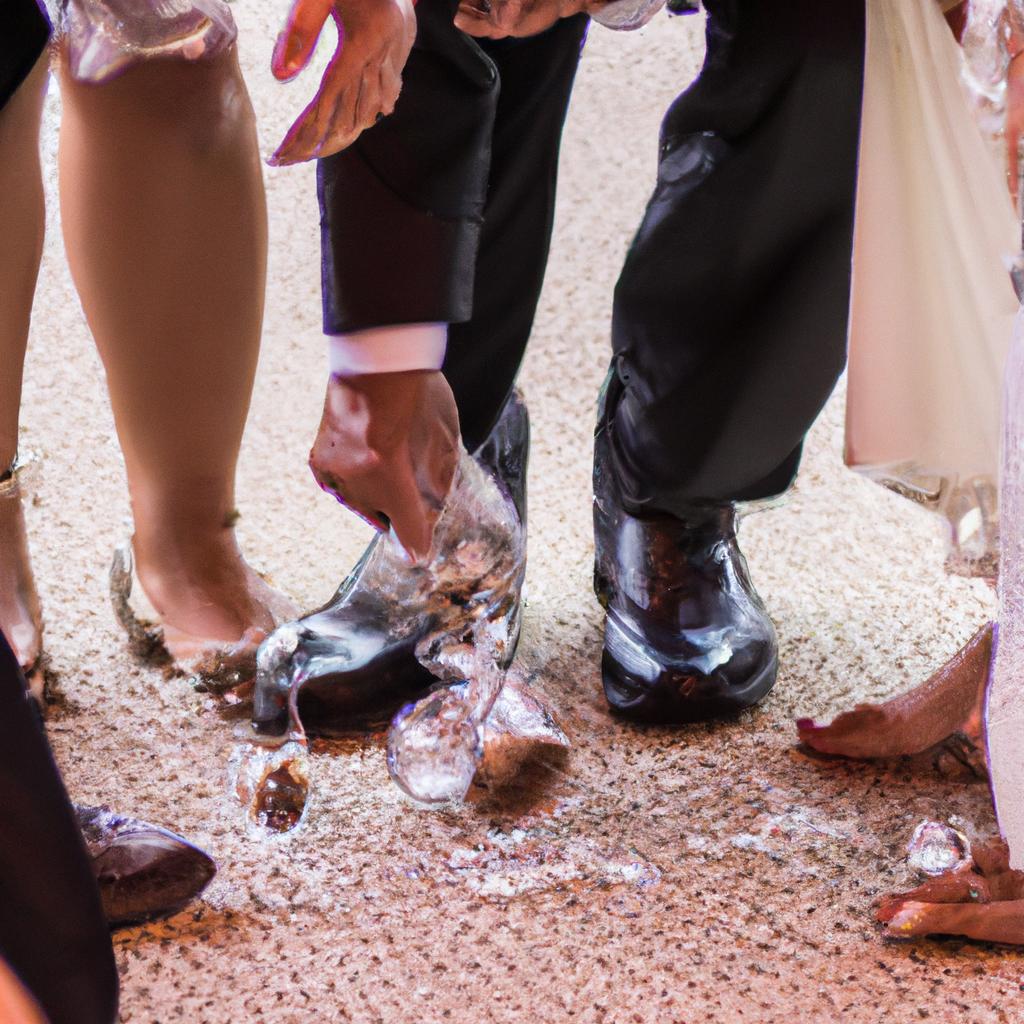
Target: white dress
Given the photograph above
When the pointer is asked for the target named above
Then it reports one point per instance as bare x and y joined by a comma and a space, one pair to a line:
932, 304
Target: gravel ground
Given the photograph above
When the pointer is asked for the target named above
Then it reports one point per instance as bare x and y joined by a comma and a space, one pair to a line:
703, 874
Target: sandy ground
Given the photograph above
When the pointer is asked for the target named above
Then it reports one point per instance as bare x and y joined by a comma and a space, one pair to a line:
704, 874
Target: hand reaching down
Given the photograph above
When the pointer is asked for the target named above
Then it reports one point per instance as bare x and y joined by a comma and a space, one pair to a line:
387, 448
362, 81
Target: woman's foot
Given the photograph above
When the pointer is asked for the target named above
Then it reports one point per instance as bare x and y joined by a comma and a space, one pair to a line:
983, 899
948, 704
199, 605
20, 614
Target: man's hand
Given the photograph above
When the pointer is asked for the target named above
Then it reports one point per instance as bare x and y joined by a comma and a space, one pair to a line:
387, 448
496, 19
362, 81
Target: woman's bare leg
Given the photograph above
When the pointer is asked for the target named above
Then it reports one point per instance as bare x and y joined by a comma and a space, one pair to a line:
164, 218
23, 215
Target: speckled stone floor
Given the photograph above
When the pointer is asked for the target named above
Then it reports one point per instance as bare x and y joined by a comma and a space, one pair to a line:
705, 874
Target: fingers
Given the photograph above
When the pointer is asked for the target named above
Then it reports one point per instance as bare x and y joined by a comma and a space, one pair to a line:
348, 101
342, 478
415, 518
298, 38
421, 500
329, 115
361, 83
989, 922
499, 19
383, 494
952, 887
390, 86
355, 110
298, 139
345, 495
421, 489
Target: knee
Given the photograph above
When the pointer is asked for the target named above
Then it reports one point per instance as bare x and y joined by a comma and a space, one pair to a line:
212, 111
201, 107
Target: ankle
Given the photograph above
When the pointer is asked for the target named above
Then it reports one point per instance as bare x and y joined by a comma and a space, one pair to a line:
198, 552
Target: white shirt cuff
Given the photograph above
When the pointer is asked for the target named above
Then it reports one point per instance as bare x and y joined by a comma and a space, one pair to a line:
388, 349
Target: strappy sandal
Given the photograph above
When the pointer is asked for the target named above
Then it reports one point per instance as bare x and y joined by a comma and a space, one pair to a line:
217, 665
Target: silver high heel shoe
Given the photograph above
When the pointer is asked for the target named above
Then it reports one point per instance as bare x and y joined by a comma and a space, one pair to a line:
219, 665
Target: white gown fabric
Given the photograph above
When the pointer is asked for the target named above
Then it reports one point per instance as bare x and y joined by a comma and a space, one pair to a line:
932, 304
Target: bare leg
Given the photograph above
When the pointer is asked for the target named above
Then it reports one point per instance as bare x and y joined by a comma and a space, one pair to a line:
165, 222
22, 206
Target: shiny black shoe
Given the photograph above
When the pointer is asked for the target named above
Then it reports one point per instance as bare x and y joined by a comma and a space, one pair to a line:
351, 664
687, 637
142, 871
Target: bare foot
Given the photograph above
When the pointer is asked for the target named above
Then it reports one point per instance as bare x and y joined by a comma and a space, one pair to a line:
950, 703
20, 615
982, 900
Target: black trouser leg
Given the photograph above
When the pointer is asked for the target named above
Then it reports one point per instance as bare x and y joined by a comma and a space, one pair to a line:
443, 211
52, 929
731, 311
485, 352
24, 33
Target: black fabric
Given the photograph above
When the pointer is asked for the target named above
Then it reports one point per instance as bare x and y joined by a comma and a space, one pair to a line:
52, 930
443, 211
730, 317
24, 33
485, 352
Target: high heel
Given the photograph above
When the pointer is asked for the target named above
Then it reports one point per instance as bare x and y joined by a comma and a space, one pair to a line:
219, 665
25, 632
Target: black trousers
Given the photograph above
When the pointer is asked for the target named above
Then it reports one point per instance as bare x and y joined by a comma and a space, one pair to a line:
730, 318
24, 32
443, 211
52, 930
730, 315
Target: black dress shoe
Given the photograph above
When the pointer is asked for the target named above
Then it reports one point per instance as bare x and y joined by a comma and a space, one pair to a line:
352, 664
142, 871
687, 637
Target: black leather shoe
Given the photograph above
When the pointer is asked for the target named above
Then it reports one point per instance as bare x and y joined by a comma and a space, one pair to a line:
143, 871
350, 665
687, 637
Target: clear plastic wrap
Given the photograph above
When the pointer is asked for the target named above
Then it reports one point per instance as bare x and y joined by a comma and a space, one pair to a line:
469, 593
104, 37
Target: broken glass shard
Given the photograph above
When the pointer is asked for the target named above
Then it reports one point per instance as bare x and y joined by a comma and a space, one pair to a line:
936, 848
